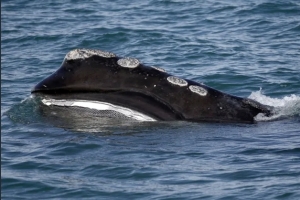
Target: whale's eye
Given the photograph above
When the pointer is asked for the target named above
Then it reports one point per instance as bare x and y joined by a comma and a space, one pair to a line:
128, 62
177, 81
199, 90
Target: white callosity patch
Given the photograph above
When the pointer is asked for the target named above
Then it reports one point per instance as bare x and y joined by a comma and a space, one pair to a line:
199, 90
86, 53
159, 69
177, 81
128, 62
98, 105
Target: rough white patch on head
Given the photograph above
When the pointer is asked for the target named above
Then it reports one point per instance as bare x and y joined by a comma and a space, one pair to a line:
199, 90
177, 81
128, 62
159, 69
86, 53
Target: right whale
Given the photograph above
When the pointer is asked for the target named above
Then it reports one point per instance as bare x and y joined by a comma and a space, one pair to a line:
95, 79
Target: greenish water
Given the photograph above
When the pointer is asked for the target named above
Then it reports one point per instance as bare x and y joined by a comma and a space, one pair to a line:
245, 48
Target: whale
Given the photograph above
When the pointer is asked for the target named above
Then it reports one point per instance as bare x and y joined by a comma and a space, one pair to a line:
123, 87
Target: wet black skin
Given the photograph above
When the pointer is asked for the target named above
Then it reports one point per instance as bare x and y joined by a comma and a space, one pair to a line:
146, 90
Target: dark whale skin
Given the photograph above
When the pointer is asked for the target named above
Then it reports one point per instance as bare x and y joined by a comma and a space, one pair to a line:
101, 76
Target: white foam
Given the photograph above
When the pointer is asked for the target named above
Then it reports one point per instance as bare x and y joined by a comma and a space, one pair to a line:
285, 107
86, 53
97, 105
177, 81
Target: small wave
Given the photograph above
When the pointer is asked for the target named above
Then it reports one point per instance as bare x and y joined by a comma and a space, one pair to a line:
288, 106
24, 112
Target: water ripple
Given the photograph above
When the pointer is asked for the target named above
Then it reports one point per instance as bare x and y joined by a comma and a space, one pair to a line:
235, 46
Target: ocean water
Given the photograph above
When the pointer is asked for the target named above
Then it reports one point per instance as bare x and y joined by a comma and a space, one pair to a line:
245, 48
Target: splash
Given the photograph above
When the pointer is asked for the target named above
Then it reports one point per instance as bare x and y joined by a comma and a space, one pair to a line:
288, 106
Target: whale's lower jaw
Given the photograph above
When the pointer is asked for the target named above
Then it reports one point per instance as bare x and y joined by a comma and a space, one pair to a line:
117, 104
124, 108
104, 108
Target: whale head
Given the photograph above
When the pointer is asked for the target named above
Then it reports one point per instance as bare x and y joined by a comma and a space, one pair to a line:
100, 77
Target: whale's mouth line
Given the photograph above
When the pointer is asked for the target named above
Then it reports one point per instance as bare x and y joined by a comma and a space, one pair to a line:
143, 103
72, 91
75, 99
99, 106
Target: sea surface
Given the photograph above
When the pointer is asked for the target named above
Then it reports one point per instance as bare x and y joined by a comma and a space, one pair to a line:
245, 48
